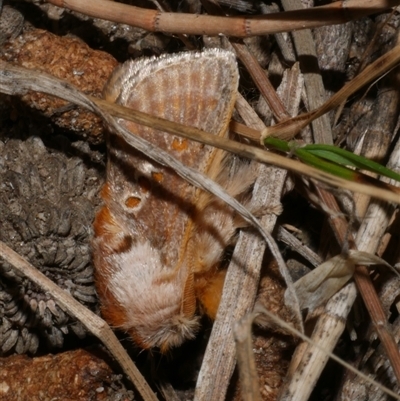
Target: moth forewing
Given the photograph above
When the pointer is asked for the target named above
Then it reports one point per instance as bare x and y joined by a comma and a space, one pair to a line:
158, 240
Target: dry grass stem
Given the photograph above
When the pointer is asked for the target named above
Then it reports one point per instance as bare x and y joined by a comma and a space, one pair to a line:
289, 128
192, 24
261, 80
294, 243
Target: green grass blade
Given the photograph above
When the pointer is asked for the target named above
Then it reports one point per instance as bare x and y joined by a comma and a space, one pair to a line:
346, 158
329, 167
277, 144
329, 153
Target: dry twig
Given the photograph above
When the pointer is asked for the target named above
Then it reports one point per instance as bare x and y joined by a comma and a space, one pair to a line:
156, 21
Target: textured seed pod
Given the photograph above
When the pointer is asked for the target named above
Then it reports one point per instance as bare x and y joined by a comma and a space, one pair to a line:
67, 58
74, 375
47, 203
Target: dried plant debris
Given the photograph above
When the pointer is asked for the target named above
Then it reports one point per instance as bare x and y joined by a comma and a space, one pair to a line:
318, 286
273, 348
369, 355
375, 364
69, 376
368, 116
11, 23
47, 203
67, 58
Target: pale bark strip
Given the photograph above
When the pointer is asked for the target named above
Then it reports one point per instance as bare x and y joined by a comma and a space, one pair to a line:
305, 49
327, 331
242, 279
